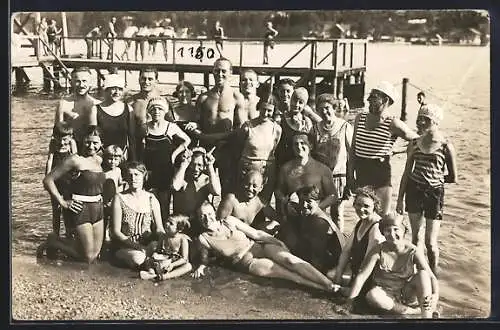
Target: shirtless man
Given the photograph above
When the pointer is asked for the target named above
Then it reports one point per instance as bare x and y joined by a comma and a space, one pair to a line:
148, 81
248, 205
249, 82
285, 90
194, 180
219, 108
76, 109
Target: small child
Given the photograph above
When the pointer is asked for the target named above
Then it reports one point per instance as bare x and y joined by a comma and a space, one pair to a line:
62, 145
424, 176
112, 158
171, 258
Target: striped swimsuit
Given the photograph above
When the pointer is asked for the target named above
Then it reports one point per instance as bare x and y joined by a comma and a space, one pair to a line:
134, 223
429, 167
373, 149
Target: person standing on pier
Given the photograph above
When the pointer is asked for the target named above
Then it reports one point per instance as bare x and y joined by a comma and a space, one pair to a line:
129, 33
148, 81
218, 35
42, 33
269, 36
111, 34
91, 38
375, 133
218, 108
76, 109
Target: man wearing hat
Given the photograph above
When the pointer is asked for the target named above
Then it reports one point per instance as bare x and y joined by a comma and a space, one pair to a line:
115, 118
375, 133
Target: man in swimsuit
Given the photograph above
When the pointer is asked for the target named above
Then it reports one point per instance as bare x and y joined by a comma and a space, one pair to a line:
148, 81
76, 109
286, 87
249, 82
219, 108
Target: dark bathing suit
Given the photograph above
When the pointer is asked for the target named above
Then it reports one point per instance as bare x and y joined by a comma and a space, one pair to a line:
88, 183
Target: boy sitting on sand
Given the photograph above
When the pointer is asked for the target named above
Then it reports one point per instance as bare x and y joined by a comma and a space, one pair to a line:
248, 205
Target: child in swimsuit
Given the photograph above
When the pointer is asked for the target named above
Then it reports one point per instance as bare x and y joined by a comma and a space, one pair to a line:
112, 157
171, 258
62, 145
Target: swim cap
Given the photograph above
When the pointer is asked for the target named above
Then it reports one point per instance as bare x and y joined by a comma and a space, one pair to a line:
391, 219
301, 93
114, 80
157, 102
388, 89
431, 111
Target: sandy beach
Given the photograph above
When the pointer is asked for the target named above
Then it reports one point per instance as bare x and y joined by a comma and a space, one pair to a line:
456, 77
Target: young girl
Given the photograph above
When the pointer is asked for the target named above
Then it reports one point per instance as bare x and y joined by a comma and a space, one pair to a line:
160, 150
332, 139
365, 236
112, 158
171, 258
62, 145
392, 264
422, 183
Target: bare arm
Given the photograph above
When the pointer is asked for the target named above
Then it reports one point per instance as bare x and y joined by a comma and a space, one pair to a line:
116, 219
59, 112
131, 133
343, 260
155, 207
404, 180
366, 269
48, 165
328, 188
178, 181
399, 128
240, 112
309, 112
451, 163
214, 185
351, 165
49, 181
184, 252
421, 262
226, 206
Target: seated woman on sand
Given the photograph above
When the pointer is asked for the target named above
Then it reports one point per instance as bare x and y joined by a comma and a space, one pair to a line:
84, 210
136, 220
254, 251
193, 182
400, 273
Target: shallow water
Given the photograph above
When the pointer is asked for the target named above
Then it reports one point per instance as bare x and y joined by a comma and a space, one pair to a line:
456, 77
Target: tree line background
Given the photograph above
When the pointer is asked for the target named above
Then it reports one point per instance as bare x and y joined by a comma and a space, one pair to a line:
292, 24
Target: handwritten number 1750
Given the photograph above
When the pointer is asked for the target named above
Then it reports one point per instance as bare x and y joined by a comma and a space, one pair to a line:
199, 53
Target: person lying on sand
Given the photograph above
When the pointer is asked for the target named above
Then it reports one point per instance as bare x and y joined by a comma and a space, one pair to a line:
400, 273
254, 251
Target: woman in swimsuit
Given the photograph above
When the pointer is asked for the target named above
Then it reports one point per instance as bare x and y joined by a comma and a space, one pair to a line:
85, 208
399, 273
184, 113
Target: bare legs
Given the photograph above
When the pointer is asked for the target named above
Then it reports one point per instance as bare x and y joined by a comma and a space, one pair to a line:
385, 194
431, 233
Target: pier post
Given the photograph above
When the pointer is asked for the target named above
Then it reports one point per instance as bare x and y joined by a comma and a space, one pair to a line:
22, 79
340, 87
181, 75
403, 99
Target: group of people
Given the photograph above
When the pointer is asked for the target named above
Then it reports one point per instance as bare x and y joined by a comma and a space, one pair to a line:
50, 35
139, 178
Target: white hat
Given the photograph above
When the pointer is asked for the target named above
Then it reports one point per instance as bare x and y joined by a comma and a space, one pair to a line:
114, 80
388, 89
431, 111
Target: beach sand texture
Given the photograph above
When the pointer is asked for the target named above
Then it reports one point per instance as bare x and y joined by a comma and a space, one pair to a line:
458, 78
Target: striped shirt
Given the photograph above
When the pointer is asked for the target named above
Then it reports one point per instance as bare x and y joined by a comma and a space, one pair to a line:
376, 143
429, 168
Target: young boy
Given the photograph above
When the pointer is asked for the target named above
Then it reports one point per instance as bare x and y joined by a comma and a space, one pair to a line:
310, 233
424, 176
332, 140
248, 204
62, 145
112, 158
194, 180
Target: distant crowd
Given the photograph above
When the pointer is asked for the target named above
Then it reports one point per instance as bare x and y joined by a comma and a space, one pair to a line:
255, 184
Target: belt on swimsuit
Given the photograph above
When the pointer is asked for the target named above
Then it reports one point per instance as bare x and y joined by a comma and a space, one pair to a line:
87, 199
340, 175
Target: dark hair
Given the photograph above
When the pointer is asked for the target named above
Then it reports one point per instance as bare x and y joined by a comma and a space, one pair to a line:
93, 130
61, 129
149, 69
309, 192
286, 81
369, 192
421, 94
327, 98
182, 221
81, 69
181, 84
135, 165
204, 204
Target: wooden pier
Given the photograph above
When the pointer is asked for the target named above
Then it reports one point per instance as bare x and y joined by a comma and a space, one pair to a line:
322, 65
